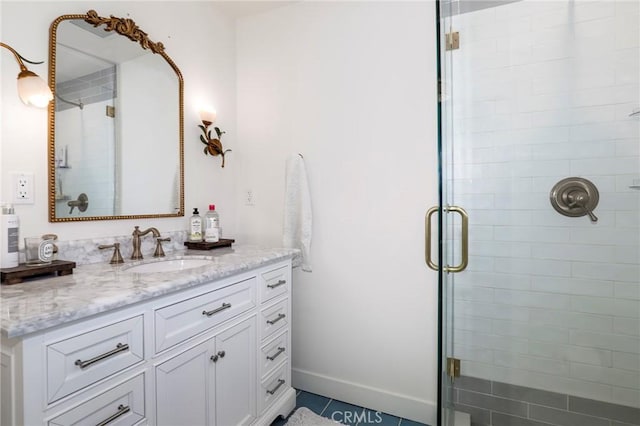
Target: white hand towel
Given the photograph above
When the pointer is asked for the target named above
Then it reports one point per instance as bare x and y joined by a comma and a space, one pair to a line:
298, 221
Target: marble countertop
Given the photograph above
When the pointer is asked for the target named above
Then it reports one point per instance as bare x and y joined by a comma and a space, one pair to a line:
39, 304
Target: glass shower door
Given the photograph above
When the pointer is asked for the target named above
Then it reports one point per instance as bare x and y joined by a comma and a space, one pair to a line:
545, 318
447, 223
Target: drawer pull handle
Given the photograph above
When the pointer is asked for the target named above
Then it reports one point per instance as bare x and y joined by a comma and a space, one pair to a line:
278, 284
122, 410
276, 355
274, 390
216, 310
120, 347
280, 316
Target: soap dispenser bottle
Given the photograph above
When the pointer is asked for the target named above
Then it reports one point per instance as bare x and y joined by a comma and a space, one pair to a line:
212, 225
195, 226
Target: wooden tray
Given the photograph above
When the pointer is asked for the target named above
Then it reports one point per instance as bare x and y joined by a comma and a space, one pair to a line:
19, 273
203, 245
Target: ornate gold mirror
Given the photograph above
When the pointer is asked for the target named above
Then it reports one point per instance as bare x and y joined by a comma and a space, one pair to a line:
115, 124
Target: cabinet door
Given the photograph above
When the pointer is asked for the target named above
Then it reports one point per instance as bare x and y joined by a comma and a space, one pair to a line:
184, 388
236, 374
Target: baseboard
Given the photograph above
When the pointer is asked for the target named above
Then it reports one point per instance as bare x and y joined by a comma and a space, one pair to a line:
376, 399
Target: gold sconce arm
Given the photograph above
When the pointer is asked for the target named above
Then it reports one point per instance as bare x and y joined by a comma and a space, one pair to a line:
32, 89
18, 57
213, 144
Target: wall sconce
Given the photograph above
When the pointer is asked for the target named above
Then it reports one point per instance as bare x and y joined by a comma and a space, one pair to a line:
213, 145
32, 89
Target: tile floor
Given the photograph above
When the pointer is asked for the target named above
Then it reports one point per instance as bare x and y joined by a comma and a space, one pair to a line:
347, 414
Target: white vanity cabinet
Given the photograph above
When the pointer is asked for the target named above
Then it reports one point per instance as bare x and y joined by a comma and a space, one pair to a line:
212, 354
212, 383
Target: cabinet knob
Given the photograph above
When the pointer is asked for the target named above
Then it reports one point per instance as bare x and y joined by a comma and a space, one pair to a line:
221, 354
214, 358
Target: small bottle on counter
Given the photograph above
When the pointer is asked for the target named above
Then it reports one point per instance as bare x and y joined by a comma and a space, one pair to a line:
212, 225
195, 226
9, 237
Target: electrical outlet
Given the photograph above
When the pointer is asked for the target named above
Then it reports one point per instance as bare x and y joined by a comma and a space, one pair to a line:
248, 198
23, 188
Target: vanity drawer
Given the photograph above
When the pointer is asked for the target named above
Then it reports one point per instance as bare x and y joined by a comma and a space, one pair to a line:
122, 405
274, 318
272, 387
274, 353
181, 321
274, 283
87, 358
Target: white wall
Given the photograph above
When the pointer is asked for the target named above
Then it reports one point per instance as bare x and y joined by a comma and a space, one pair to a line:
351, 86
543, 91
202, 43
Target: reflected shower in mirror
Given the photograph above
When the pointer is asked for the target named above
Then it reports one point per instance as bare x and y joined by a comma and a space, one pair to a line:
116, 123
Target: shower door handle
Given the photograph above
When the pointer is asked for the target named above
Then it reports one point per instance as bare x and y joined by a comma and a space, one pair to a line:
464, 255
465, 239
427, 239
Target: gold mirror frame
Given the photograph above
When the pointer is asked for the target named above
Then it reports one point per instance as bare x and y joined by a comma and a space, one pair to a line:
125, 27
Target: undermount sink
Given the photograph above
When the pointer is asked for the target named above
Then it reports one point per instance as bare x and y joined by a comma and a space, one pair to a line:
169, 265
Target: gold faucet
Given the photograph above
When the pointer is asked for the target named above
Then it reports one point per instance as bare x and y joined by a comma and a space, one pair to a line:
137, 254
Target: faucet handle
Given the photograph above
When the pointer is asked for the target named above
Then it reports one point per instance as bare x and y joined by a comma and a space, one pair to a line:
117, 257
159, 251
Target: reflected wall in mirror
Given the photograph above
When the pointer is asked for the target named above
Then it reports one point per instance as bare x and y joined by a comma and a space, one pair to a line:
115, 124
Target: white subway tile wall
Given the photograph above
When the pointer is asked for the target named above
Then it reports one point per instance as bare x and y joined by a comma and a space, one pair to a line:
89, 135
542, 90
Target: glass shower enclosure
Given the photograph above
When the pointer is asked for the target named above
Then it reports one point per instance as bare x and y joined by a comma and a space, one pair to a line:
539, 217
